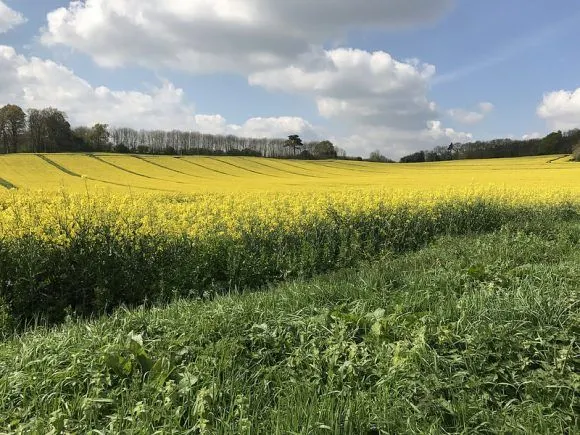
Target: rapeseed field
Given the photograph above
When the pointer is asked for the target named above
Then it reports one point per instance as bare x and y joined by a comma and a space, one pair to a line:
174, 174
89, 232
144, 294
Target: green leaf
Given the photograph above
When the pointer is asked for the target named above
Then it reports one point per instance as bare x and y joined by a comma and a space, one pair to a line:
137, 349
121, 365
376, 329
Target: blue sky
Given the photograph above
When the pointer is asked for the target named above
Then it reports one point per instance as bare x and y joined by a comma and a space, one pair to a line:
396, 75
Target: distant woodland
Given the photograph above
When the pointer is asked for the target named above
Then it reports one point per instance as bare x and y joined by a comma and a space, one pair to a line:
554, 143
49, 131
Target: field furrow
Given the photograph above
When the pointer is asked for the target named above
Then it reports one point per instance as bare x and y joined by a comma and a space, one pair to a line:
207, 167
156, 162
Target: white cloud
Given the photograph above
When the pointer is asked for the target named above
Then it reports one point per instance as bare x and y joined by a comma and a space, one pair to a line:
486, 107
34, 82
466, 117
37, 83
211, 124
278, 45
534, 135
396, 143
384, 101
359, 87
210, 35
9, 18
277, 127
471, 117
561, 109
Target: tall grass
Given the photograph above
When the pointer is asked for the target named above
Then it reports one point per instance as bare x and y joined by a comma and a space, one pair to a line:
89, 265
474, 334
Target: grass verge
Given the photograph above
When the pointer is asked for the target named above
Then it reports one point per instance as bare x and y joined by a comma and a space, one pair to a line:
474, 334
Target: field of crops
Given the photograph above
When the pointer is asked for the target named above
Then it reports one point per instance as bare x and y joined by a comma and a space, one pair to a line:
81, 235
90, 232
123, 173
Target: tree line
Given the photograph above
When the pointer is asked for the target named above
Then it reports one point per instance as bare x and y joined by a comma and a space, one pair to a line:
48, 131
554, 143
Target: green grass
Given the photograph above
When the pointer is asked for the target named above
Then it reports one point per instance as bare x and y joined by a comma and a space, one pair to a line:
99, 266
473, 334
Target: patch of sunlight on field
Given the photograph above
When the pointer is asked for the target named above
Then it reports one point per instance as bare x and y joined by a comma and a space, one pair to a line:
193, 174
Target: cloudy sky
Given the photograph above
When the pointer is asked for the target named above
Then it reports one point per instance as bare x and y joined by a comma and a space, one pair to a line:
393, 75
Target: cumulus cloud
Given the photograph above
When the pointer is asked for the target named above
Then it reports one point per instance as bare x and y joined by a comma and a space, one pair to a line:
33, 82
383, 100
561, 109
275, 127
272, 127
360, 87
396, 143
210, 35
9, 18
471, 117
534, 135
278, 45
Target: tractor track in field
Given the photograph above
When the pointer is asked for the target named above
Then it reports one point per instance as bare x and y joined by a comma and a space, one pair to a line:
354, 166
286, 171
206, 167
242, 168
135, 173
74, 174
308, 169
59, 166
558, 158
166, 167
7, 184
339, 168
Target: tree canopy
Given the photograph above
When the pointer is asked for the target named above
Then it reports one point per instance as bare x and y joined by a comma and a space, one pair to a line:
48, 130
324, 150
12, 127
554, 143
294, 142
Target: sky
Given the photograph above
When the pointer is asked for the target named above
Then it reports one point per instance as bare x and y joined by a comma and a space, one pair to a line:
390, 75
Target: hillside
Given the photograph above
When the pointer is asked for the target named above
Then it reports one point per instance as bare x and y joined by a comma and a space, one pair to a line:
79, 172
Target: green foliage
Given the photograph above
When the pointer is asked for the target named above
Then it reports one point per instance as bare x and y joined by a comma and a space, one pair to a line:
49, 130
99, 137
98, 268
12, 127
576, 154
121, 149
324, 150
554, 143
418, 157
294, 142
376, 156
475, 334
